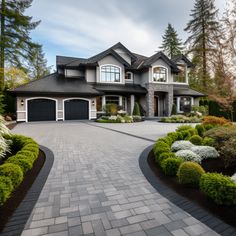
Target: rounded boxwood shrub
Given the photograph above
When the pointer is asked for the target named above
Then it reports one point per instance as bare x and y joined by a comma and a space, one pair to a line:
6, 188
221, 189
183, 128
189, 174
165, 155
171, 165
27, 154
166, 140
200, 130
24, 163
208, 141
196, 140
160, 147
173, 136
13, 172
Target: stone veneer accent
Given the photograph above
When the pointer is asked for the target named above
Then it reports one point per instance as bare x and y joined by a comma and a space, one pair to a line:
154, 87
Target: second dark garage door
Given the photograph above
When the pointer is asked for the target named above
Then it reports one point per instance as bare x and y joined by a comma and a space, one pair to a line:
76, 109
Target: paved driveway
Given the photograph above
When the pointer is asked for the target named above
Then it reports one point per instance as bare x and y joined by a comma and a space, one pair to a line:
95, 186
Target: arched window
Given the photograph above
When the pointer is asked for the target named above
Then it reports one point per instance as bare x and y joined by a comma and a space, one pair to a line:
159, 74
110, 73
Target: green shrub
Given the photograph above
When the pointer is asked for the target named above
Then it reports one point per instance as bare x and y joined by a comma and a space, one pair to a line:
23, 162
165, 155
166, 140
183, 128
200, 130
111, 109
186, 134
221, 189
208, 127
160, 147
12, 171
136, 110
137, 118
28, 154
174, 109
6, 188
189, 173
196, 140
173, 136
171, 165
208, 141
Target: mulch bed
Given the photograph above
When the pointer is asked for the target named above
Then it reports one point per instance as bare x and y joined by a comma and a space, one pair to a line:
225, 213
11, 125
18, 195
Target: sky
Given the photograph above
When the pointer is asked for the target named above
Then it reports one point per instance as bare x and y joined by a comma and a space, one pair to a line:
82, 28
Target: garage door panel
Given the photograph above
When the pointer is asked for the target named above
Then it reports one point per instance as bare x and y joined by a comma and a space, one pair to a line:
41, 110
76, 109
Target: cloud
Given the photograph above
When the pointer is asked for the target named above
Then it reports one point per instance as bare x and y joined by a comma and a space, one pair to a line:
83, 28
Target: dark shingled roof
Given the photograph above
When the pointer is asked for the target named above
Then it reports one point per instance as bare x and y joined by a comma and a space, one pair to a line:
187, 92
125, 89
55, 84
184, 58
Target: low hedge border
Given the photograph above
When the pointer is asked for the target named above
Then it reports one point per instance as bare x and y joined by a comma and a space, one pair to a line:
173, 166
192, 208
15, 167
23, 211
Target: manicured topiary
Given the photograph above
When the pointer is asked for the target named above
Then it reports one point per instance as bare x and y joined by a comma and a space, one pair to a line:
189, 174
165, 155
200, 130
221, 189
173, 136
6, 188
28, 154
160, 147
183, 128
188, 155
181, 145
171, 165
12, 171
208, 141
136, 111
196, 140
25, 164
166, 140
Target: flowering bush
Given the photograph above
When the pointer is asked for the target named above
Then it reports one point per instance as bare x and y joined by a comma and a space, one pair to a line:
181, 145
205, 152
188, 155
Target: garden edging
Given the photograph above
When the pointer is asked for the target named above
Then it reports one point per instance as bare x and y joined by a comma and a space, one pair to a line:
190, 207
17, 222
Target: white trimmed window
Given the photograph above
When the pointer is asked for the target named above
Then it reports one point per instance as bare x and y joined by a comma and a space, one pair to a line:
159, 74
129, 76
110, 74
184, 104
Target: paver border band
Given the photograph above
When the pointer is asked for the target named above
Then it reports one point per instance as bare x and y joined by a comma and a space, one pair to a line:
190, 207
19, 218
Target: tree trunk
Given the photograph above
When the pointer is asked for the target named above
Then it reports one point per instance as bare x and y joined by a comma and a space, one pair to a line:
204, 60
2, 51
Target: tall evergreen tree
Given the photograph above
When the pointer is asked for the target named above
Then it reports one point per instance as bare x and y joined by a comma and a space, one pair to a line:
15, 42
38, 64
171, 44
202, 28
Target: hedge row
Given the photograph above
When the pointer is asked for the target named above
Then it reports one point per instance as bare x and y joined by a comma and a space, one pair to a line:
221, 189
12, 171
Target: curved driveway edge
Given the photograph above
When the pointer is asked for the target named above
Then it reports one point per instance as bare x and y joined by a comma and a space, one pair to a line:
192, 208
17, 222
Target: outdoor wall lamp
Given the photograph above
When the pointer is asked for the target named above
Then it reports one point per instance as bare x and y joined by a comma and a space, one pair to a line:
93, 103
22, 102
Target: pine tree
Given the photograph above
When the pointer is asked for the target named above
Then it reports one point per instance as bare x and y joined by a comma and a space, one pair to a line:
15, 42
202, 27
38, 64
171, 44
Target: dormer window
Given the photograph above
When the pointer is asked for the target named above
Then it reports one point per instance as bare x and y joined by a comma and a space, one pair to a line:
110, 74
181, 77
159, 74
128, 76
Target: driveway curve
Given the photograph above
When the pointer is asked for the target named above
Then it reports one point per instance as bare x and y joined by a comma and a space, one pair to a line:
96, 187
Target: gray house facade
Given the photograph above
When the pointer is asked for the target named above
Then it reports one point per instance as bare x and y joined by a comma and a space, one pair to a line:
81, 87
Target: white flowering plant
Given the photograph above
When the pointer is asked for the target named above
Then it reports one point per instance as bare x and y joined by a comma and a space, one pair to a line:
205, 152
4, 144
181, 145
188, 155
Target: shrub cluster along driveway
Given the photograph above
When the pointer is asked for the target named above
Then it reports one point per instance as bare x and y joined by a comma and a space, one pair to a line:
95, 186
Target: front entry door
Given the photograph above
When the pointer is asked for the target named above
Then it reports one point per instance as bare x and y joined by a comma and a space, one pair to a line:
156, 105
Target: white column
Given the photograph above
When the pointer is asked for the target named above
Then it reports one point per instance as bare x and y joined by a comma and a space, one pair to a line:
178, 104
120, 101
132, 100
103, 100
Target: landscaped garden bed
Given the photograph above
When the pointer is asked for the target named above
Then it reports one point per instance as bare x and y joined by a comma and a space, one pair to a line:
198, 164
20, 162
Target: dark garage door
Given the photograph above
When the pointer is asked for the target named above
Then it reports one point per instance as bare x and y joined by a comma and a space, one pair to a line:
76, 109
41, 110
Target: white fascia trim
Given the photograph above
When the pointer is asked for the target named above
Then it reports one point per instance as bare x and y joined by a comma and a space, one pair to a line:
33, 98
167, 75
76, 98
121, 75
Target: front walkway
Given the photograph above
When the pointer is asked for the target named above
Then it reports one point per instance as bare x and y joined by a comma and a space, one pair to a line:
95, 186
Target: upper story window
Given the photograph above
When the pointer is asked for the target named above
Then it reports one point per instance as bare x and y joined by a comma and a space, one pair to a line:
159, 74
181, 77
110, 73
129, 76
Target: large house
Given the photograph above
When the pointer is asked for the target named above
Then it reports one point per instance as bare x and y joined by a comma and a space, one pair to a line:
81, 87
